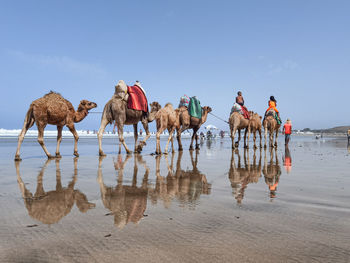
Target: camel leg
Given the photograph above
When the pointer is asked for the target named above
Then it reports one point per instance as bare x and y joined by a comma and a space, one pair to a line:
246, 143
26, 126
76, 138
159, 132
103, 125
192, 138
196, 137
233, 133
260, 138
41, 139
59, 139
170, 138
271, 138
265, 131
254, 139
178, 137
148, 134
239, 138
276, 137
121, 138
135, 137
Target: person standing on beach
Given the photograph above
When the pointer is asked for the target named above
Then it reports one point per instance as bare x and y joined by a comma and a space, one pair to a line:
287, 131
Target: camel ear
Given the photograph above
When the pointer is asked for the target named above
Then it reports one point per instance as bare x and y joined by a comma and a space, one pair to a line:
260, 117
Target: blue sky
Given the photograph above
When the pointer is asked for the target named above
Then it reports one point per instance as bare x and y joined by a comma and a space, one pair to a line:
298, 51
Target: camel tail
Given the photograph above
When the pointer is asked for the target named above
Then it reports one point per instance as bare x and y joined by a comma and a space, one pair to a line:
29, 119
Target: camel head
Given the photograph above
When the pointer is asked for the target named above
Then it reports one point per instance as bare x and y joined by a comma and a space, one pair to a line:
207, 109
155, 107
86, 105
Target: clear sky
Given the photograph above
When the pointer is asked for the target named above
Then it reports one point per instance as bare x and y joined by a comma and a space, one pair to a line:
298, 51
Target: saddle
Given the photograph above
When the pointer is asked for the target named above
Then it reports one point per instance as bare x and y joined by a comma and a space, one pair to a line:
274, 115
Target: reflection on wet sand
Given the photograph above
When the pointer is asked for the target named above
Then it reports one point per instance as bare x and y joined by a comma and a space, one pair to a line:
240, 176
272, 172
50, 207
126, 202
287, 160
185, 186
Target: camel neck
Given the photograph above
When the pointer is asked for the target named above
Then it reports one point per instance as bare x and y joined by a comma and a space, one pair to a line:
80, 115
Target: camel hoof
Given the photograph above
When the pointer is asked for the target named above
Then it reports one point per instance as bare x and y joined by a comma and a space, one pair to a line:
18, 158
180, 149
260, 146
76, 154
197, 148
50, 157
58, 155
102, 154
255, 147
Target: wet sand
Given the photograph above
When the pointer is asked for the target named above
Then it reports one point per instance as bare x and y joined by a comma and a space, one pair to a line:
214, 205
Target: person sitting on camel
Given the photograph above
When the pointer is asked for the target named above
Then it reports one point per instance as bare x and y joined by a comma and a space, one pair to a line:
272, 105
240, 101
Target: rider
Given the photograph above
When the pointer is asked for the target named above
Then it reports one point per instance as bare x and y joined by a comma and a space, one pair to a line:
240, 101
272, 105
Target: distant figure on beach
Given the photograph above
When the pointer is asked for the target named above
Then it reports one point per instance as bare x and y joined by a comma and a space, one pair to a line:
287, 130
240, 101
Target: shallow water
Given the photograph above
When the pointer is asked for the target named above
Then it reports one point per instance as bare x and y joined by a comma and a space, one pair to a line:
196, 206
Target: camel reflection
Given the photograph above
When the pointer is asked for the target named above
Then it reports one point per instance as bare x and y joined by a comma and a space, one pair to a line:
185, 186
126, 202
240, 176
272, 172
50, 207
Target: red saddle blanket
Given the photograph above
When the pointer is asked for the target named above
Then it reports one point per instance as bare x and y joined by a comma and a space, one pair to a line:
137, 99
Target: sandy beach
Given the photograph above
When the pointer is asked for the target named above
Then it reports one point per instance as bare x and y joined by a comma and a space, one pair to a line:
212, 205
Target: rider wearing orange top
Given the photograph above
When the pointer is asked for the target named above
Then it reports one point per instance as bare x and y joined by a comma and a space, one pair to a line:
272, 104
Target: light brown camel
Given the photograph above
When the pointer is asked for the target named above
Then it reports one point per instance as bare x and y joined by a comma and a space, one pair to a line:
240, 176
127, 203
237, 123
270, 125
188, 122
167, 118
253, 127
272, 172
54, 109
116, 109
50, 207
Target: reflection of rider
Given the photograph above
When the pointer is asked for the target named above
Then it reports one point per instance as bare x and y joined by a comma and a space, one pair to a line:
126, 202
272, 172
287, 160
50, 207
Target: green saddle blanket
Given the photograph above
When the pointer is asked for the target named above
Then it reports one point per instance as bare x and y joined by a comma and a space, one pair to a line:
194, 108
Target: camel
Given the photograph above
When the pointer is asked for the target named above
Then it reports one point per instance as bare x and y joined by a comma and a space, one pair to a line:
254, 125
240, 176
237, 123
270, 125
54, 109
272, 172
50, 207
167, 118
185, 186
116, 110
188, 122
126, 202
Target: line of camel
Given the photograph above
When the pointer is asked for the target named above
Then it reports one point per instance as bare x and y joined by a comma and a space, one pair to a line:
53, 109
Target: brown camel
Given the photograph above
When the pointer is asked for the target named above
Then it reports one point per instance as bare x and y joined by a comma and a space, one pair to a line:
240, 176
253, 127
54, 109
270, 125
272, 172
127, 203
188, 122
50, 207
237, 123
167, 118
116, 109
